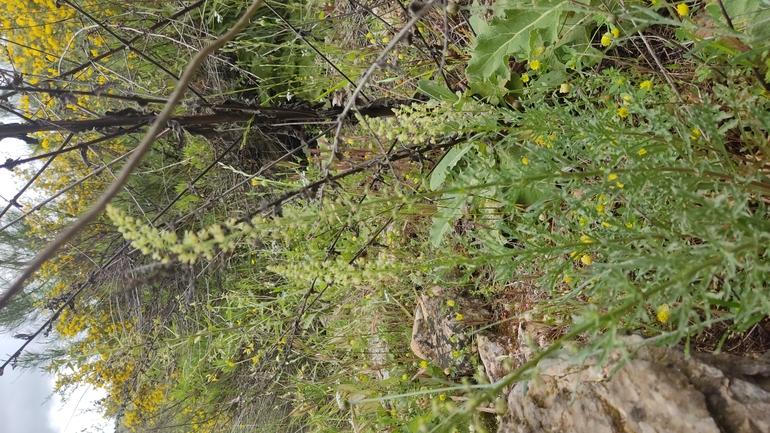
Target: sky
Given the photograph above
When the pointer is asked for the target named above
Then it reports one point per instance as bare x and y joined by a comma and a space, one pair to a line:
27, 403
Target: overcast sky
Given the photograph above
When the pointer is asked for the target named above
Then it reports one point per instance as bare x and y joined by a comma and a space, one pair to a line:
24, 396
26, 401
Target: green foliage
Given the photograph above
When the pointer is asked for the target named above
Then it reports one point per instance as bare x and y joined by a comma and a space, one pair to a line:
627, 203
545, 31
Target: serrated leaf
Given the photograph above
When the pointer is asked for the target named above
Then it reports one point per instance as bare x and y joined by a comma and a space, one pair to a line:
452, 157
508, 36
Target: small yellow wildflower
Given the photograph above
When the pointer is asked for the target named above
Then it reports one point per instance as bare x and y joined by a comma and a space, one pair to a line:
663, 313
442, 397
385, 40
606, 39
620, 185
424, 364
567, 279
525, 161
534, 65
682, 9
369, 36
254, 182
629, 224
623, 112
450, 302
459, 317
404, 377
565, 88
612, 177
615, 32
642, 151
647, 84
525, 78
586, 259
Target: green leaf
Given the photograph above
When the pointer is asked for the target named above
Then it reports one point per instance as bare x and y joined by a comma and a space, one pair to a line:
437, 91
442, 222
750, 17
508, 36
451, 158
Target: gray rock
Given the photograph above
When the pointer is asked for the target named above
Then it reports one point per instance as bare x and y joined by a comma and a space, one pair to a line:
658, 390
437, 333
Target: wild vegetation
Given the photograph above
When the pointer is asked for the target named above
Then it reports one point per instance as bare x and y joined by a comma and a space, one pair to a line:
598, 166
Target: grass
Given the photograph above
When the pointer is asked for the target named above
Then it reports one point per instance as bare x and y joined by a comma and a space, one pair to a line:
604, 174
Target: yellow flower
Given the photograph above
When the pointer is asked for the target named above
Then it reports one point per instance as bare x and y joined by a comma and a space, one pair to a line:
565, 88
525, 161
459, 317
423, 364
615, 32
642, 151
525, 78
623, 112
369, 36
647, 84
442, 397
567, 279
385, 40
606, 39
663, 313
254, 182
586, 259
534, 65
612, 177
683, 9
450, 302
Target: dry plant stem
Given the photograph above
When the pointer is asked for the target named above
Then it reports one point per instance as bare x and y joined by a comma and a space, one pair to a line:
368, 75
132, 40
655, 57
128, 45
140, 151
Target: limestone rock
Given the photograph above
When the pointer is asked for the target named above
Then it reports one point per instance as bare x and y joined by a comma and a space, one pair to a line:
437, 333
658, 390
